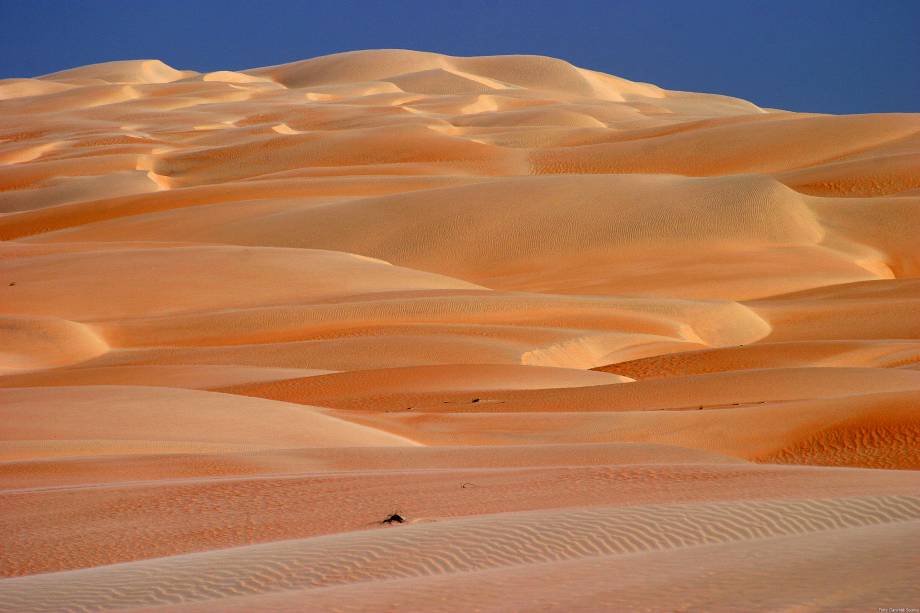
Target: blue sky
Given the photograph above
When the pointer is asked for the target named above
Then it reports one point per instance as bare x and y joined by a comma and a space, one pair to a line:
833, 56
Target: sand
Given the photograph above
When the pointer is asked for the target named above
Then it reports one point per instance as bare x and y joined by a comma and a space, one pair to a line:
602, 346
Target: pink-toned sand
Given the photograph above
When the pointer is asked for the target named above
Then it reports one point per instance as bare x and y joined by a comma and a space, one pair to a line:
602, 346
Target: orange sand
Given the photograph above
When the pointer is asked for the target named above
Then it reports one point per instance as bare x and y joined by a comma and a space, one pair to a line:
604, 346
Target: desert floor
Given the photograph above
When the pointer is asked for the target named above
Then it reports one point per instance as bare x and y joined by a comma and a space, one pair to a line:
600, 345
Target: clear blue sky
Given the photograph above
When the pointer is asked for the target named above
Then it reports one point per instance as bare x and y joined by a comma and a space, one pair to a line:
834, 56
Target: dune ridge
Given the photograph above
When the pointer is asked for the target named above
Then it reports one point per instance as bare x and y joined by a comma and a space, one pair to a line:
601, 345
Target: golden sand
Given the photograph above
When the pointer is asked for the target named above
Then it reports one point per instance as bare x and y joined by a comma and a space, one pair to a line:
601, 345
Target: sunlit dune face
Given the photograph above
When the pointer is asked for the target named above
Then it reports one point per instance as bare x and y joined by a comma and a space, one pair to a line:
597, 345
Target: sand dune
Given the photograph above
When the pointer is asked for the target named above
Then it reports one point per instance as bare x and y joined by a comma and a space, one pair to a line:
106, 419
265, 508
46, 342
189, 279
874, 429
833, 353
714, 390
602, 345
631, 581
429, 551
185, 376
